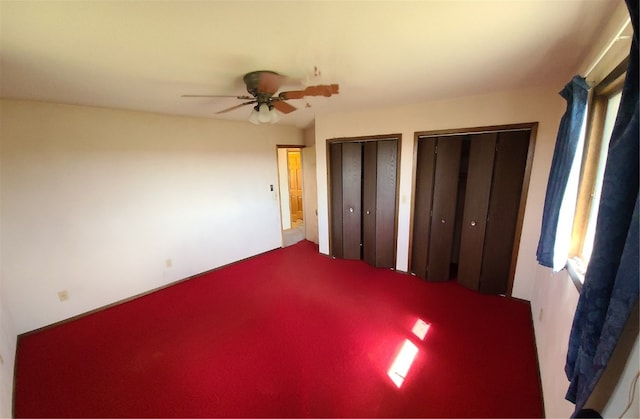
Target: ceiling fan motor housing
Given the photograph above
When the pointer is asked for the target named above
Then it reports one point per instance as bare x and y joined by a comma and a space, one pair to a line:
262, 83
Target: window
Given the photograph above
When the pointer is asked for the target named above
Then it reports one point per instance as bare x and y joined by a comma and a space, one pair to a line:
601, 115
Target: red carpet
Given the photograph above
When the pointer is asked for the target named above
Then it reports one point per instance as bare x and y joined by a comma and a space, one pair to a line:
290, 333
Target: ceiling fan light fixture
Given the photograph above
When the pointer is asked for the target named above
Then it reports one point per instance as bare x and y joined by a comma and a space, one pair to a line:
263, 113
254, 118
275, 115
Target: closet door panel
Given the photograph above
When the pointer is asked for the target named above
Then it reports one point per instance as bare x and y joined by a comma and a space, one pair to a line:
385, 214
476, 204
351, 200
425, 171
370, 176
506, 190
335, 150
445, 193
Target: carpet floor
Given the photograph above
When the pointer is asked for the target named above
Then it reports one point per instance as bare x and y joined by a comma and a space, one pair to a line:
289, 333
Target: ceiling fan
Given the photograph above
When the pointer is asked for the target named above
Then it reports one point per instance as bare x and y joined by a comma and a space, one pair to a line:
263, 86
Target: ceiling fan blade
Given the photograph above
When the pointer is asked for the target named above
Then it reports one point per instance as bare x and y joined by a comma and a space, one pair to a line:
293, 94
320, 90
237, 97
237, 106
283, 107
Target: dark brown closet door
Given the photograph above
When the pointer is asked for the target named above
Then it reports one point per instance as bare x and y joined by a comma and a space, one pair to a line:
336, 199
351, 200
363, 178
445, 194
379, 202
369, 192
504, 205
476, 205
425, 171
386, 168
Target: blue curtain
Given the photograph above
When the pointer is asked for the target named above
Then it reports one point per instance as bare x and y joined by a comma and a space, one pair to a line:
575, 93
610, 289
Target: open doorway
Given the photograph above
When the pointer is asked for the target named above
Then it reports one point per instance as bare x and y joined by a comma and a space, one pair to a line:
294, 162
291, 194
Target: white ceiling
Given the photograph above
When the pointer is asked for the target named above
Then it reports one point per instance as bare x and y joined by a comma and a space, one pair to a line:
143, 55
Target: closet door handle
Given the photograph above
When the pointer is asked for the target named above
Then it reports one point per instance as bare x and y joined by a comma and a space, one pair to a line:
368, 212
350, 209
473, 223
443, 221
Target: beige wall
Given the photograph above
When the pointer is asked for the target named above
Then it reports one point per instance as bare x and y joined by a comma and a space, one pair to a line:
7, 352
552, 306
95, 202
7, 342
310, 183
7, 331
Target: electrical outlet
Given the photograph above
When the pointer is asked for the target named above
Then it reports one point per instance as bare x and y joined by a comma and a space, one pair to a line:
168, 263
63, 295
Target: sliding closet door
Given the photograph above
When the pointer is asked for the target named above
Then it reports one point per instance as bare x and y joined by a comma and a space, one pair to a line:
336, 199
476, 206
506, 190
351, 200
425, 171
379, 202
445, 194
